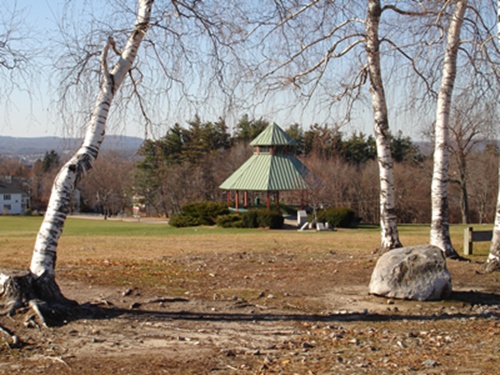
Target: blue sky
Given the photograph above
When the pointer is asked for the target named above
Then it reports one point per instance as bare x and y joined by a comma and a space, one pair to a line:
37, 115
22, 114
31, 111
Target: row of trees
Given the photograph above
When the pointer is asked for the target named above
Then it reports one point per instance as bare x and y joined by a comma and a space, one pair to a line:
196, 140
174, 172
208, 153
189, 163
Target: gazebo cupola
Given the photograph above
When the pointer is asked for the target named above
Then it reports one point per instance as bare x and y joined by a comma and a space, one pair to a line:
273, 140
272, 168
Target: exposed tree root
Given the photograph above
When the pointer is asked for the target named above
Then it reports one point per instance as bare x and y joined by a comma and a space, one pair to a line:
14, 341
55, 359
491, 265
22, 291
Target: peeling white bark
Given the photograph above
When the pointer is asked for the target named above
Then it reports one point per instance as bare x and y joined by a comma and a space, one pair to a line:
440, 234
389, 230
44, 254
493, 261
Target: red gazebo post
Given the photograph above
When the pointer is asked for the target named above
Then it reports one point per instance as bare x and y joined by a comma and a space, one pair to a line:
237, 200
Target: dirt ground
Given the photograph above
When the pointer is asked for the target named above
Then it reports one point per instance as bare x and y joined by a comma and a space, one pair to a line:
271, 312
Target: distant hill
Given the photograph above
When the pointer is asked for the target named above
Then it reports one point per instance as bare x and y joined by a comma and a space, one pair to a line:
30, 149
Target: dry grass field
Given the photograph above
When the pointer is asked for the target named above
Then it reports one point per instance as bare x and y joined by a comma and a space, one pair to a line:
210, 300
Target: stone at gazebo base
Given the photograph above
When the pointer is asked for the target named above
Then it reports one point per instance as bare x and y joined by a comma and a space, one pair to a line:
415, 273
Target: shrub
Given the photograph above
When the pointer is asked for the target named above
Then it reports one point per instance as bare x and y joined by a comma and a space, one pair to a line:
179, 220
207, 212
289, 210
230, 221
270, 219
338, 217
250, 219
203, 213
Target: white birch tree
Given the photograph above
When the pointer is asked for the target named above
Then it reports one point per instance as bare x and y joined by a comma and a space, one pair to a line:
388, 225
39, 284
440, 234
182, 55
493, 261
330, 49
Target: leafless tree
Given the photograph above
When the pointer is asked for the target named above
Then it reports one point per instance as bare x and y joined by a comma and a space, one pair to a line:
471, 126
109, 184
493, 262
14, 54
413, 194
181, 38
185, 66
440, 235
467, 65
484, 184
331, 49
41, 186
39, 283
318, 41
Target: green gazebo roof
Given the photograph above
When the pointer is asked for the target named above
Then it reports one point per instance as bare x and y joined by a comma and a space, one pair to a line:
267, 172
270, 170
273, 135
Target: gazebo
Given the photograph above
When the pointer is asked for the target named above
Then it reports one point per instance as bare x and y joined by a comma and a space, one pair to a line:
272, 168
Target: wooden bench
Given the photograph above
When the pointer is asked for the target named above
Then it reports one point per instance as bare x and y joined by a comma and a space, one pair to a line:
471, 236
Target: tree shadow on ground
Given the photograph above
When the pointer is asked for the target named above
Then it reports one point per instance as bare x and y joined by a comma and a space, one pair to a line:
475, 298
469, 299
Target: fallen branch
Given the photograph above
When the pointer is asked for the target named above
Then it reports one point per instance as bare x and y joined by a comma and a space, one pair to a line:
34, 304
16, 342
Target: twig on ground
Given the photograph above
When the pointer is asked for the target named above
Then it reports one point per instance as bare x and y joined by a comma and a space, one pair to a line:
30, 322
36, 308
57, 359
16, 342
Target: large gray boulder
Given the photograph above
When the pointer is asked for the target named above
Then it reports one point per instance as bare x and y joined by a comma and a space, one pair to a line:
415, 273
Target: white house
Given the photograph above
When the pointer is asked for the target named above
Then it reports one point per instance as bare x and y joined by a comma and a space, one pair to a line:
13, 200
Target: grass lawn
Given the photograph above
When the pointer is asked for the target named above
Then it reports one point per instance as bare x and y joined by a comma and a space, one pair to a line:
110, 248
22, 230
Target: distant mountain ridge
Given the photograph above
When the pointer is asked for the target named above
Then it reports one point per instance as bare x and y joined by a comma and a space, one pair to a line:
20, 146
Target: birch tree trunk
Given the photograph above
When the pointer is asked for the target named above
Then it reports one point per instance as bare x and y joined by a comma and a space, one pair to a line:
389, 231
440, 231
44, 254
42, 270
493, 261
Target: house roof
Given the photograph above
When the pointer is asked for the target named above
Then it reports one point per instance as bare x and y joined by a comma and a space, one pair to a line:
273, 135
267, 172
10, 189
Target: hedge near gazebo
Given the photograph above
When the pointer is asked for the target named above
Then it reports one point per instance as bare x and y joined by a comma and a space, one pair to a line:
272, 168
